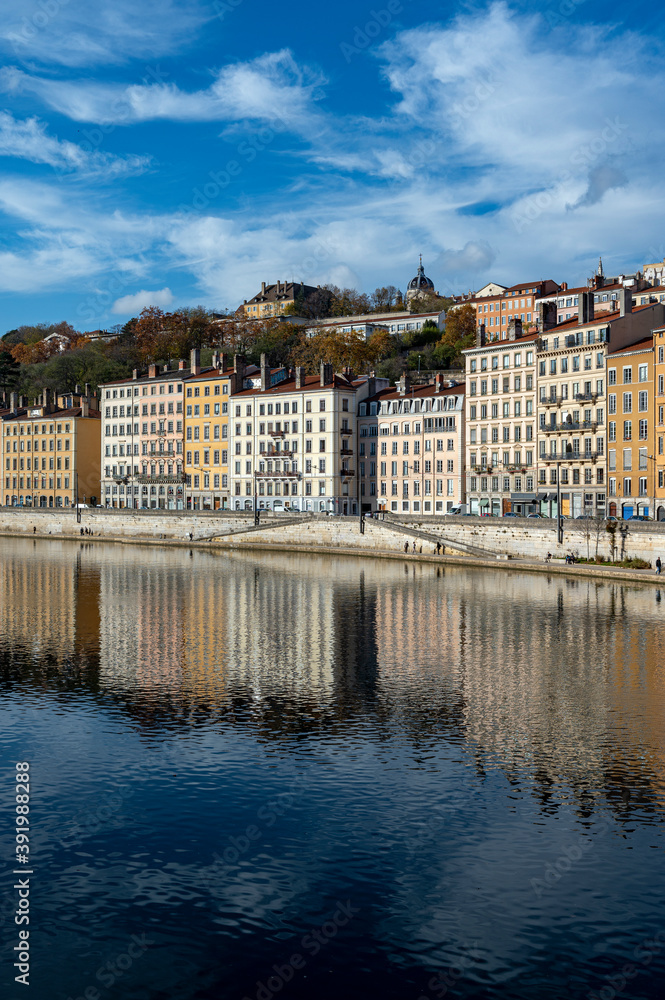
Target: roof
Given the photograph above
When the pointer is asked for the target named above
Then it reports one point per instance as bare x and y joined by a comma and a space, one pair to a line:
492, 345
209, 373
416, 392
75, 411
169, 376
309, 383
646, 344
283, 291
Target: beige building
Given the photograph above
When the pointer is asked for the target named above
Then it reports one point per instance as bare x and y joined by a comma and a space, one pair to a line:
50, 451
292, 440
272, 300
500, 420
411, 448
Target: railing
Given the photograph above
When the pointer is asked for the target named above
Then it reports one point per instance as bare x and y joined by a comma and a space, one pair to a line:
345, 430
277, 454
147, 480
588, 397
346, 451
277, 434
278, 475
581, 425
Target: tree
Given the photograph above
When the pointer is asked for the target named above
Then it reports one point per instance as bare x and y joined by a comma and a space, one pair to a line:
9, 371
423, 302
383, 298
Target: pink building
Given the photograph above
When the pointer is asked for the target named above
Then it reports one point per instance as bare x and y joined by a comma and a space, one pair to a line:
411, 448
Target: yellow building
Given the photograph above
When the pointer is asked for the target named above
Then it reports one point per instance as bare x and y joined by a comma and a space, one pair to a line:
51, 451
631, 461
272, 300
659, 422
206, 425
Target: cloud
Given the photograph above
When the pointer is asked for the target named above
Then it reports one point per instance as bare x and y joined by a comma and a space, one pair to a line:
131, 304
78, 33
270, 87
601, 180
28, 140
475, 256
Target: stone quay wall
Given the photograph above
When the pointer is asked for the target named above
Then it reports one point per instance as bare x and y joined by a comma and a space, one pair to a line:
498, 537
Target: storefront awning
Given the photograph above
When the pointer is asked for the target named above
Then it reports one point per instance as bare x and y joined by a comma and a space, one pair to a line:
523, 497
484, 503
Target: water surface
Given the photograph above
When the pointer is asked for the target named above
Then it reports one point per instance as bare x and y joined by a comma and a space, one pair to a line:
422, 782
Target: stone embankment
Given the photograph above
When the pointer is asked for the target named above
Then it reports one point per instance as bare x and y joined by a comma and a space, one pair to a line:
516, 542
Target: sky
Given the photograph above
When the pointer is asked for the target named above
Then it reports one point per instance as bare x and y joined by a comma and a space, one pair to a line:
180, 152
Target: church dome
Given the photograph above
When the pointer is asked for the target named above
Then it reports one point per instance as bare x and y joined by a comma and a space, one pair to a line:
421, 283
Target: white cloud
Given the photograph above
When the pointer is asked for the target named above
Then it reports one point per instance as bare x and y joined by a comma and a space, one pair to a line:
130, 305
78, 33
28, 140
270, 87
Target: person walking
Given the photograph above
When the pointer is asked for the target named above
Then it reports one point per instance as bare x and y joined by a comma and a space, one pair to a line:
658, 565
406, 547
414, 546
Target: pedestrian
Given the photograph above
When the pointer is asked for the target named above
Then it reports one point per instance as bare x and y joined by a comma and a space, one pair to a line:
658, 565
414, 546
548, 557
34, 530
438, 548
81, 530
420, 550
406, 547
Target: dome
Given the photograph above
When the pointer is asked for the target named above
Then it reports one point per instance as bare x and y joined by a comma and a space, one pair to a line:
421, 282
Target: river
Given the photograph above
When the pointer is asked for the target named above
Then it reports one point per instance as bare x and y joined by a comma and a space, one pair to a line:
256, 775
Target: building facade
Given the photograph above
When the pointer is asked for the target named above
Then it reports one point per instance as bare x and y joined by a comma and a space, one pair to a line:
208, 412
631, 458
293, 440
501, 439
411, 448
272, 300
142, 439
50, 451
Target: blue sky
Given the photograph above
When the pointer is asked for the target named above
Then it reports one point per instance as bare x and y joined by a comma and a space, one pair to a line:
176, 152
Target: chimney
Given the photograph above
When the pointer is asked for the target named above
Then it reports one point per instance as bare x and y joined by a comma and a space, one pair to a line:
625, 301
85, 407
77, 389
135, 374
438, 382
263, 288
564, 286
300, 377
348, 373
87, 390
152, 371
239, 365
480, 336
404, 385
547, 316
165, 369
181, 366
215, 359
326, 373
585, 309
224, 362
13, 402
515, 328
265, 374
55, 398
195, 361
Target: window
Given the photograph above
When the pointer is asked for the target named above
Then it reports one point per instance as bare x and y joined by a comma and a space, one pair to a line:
627, 375
627, 402
642, 373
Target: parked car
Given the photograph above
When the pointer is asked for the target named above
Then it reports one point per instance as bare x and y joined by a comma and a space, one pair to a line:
639, 517
510, 514
611, 518
536, 515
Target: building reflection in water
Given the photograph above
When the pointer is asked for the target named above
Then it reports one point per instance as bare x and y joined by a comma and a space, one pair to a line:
560, 678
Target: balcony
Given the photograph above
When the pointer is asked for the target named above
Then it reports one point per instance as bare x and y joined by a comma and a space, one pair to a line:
346, 451
552, 401
276, 434
345, 430
278, 475
347, 473
277, 454
586, 397
584, 456
581, 425
148, 480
